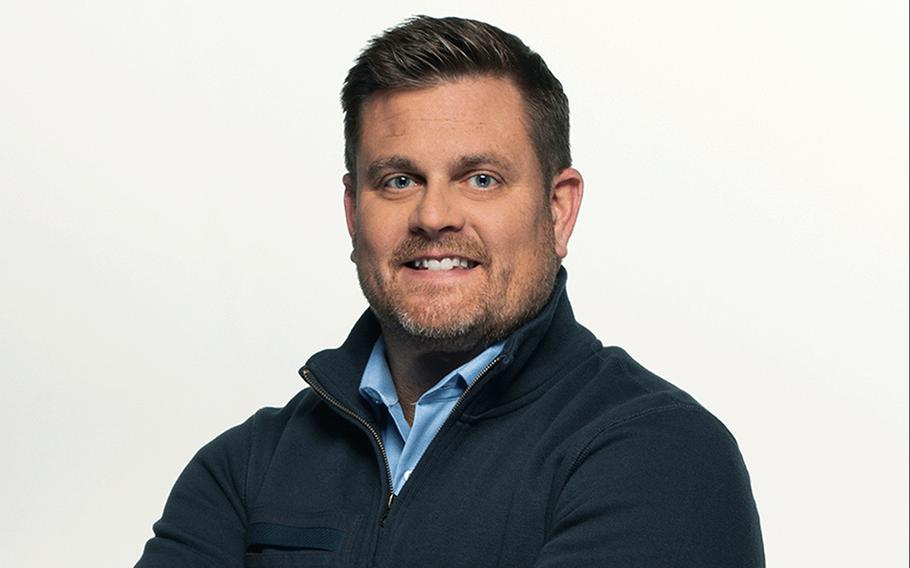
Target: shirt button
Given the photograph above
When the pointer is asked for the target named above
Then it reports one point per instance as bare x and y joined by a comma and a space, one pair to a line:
407, 474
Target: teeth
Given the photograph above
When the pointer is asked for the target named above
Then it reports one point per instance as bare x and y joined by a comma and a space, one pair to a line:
444, 264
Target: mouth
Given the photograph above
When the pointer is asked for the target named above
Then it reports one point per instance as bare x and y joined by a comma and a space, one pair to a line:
441, 263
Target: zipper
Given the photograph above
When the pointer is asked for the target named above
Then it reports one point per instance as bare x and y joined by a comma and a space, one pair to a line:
311, 380
460, 402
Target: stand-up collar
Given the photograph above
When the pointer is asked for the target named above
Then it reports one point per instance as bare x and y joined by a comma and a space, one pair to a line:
532, 355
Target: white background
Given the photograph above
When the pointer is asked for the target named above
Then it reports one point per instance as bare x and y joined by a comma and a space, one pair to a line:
172, 242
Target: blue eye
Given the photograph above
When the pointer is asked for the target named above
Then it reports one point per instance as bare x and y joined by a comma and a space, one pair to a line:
483, 181
399, 182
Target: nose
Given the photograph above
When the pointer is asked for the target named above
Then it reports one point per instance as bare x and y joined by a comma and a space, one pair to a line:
436, 212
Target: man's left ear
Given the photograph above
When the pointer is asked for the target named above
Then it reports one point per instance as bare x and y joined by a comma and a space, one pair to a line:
565, 200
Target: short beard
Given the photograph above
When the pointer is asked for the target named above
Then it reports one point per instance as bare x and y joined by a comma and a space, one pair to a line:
489, 322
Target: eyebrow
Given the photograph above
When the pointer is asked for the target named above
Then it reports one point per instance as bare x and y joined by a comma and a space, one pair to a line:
396, 162
475, 160
467, 162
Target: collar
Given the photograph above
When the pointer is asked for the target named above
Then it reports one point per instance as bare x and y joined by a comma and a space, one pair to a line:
530, 359
377, 385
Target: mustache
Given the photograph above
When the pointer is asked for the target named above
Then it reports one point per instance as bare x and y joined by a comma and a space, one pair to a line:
452, 245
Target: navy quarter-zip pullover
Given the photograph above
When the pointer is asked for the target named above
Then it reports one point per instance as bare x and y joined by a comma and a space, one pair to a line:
563, 453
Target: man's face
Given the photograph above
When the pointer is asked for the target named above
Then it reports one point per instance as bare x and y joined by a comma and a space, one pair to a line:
455, 236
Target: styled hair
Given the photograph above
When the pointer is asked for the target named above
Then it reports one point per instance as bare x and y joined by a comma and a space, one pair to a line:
424, 51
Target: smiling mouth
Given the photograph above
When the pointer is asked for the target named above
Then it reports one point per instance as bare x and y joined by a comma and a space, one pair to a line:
436, 264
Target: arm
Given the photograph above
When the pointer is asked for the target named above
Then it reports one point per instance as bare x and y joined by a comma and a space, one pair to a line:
666, 488
204, 520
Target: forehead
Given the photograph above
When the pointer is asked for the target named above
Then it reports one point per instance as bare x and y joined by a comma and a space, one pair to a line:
473, 115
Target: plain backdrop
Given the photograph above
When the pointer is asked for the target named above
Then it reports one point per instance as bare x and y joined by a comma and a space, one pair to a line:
172, 243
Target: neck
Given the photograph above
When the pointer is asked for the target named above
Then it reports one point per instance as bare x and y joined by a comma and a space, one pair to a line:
417, 365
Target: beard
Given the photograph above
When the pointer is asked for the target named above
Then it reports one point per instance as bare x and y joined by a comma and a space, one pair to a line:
439, 318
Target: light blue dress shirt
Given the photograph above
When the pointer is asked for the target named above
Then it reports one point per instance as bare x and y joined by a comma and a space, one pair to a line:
404, 443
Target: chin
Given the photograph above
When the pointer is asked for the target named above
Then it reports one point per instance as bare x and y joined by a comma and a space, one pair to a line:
438, 323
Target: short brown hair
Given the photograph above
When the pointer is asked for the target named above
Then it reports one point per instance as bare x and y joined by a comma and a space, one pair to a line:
424, 51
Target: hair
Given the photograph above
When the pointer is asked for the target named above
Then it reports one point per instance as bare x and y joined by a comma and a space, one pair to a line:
424, 51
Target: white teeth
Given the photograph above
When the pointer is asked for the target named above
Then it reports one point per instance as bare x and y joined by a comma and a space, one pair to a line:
444, 264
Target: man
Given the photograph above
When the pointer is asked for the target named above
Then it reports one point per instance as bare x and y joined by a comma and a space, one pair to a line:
468, 419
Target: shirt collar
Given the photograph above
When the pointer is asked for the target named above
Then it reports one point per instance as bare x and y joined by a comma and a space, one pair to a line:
378, 387
376, 384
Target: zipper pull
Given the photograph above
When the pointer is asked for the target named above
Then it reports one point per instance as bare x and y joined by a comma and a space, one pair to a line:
388, 508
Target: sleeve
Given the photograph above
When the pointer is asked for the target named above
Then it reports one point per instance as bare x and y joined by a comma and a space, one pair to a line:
666, 488
204, 519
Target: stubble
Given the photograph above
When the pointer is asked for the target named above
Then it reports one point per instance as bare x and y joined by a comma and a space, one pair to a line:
505, 302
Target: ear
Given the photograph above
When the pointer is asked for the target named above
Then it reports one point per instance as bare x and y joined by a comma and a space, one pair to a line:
565, 200
350, 203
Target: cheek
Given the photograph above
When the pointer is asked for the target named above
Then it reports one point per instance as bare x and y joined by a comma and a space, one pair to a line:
374, 234
518, 230
373, 251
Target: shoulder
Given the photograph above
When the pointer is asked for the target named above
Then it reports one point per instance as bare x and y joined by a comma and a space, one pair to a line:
651, 434
650, 462
616, 368
265, 424
635, 415
609, 388
247, 448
